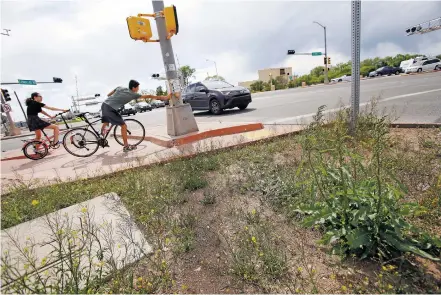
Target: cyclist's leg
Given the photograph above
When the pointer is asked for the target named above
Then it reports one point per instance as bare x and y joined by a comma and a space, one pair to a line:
124, 134
103, 127
56, 132
37, 134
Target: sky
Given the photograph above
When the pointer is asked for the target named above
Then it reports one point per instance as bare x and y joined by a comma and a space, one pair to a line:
89, 39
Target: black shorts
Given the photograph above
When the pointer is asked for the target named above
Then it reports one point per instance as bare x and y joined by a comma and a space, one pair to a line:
110, 115
36, 123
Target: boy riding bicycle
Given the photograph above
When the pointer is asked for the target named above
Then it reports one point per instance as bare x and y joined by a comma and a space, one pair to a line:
116, 99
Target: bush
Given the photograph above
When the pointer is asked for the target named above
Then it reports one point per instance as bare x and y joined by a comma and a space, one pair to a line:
356, 199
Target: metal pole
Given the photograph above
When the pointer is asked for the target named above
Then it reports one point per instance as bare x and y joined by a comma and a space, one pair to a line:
180, 118
19, 102
167, 54
215, 65
12, 129
355, 81
326, 61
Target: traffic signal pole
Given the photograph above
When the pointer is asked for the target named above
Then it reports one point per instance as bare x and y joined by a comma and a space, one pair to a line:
180, 118
326, 54
12, 129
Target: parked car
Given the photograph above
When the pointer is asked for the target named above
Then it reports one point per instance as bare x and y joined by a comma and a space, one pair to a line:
157, 103
427, 65
346, 78
143, 107
127, 110
216, 96
385, 71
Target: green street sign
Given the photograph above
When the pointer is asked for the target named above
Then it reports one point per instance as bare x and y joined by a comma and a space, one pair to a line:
316, 53
27, 82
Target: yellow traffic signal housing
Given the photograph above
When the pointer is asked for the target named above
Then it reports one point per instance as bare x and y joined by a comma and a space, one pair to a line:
139, 28
329, 60
171, 20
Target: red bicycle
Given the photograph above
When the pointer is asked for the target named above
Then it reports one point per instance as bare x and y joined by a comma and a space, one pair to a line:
38, 149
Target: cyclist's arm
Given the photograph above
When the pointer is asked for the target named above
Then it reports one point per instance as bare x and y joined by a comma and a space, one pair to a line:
111, 92
46, 114
54, 109
156, 97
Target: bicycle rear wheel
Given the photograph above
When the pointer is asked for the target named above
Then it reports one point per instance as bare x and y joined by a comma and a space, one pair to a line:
35, 150
81, 142
135, 132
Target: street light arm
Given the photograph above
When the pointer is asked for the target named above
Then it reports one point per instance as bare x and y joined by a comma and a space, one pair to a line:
319, 24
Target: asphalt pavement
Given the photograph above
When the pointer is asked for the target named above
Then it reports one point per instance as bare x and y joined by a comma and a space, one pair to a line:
413, 98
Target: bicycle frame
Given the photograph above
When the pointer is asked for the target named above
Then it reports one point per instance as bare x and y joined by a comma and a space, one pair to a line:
98, 134
46, 140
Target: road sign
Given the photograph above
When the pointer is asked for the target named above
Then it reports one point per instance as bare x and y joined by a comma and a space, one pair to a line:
291, 51
316, 53
6, 108
27, 82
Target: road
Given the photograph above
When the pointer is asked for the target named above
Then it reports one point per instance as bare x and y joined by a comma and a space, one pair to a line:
414, 98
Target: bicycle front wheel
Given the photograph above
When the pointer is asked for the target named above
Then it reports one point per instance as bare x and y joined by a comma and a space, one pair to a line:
35, 150
80, 142
135, 132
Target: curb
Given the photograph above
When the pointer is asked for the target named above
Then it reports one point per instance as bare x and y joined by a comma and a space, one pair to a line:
415, 125
187, 139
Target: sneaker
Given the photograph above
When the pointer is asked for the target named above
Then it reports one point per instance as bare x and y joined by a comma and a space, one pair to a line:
129, 148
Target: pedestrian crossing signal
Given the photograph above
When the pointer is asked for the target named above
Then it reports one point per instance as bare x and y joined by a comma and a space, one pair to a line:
139, 28
171, 21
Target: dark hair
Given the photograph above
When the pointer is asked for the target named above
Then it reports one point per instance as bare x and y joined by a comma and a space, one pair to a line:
133, 84
33, 96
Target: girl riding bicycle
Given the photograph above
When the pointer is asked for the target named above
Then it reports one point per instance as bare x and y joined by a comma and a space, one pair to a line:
35, 123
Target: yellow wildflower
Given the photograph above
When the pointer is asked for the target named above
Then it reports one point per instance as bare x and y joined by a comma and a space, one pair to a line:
253, 239
333, 277
35, 202
344, 288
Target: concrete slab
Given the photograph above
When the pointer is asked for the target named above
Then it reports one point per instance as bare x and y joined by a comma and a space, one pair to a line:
99, 234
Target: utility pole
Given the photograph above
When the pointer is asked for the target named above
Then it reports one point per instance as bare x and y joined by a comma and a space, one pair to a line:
326, 54
355, 81
19, 102
215, 66
180, 118
12, 129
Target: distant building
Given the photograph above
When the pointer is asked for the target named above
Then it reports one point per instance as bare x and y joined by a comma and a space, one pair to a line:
266, 74
247, 84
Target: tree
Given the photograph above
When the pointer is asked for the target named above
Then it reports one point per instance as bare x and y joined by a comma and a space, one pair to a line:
438, 56
280, 82
187, 73
257, 86
215, 77
160, 92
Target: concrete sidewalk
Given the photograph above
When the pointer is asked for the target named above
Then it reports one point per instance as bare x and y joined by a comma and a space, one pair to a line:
59, 165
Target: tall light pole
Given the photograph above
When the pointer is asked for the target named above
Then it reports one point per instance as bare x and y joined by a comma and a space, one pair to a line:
326, 53
214, 66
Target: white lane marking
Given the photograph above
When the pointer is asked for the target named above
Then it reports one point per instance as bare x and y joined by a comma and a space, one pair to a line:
361, 105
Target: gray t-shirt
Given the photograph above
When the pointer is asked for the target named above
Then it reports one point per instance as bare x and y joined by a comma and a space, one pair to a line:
120, 97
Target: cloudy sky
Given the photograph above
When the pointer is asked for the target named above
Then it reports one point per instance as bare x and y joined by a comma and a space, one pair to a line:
89, 39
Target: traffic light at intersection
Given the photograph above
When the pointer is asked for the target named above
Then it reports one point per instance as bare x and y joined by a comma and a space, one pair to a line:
6, 95
171, 20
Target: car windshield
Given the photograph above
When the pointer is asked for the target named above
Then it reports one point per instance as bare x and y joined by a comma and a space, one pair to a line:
142, 103
217, 84
380, 69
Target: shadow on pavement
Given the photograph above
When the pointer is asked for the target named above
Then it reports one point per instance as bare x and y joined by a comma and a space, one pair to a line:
224, 114
35, 163
106, 160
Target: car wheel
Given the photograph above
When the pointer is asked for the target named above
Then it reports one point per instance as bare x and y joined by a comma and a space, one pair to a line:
397, 72
438, 67
419, 70
242, 107
215, 107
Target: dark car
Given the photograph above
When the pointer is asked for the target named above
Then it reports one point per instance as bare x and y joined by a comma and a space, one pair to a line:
386, 71
216, 96
143, 107
127, 110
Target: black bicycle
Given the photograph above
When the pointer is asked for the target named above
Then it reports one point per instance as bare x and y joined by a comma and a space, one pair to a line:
87, 139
